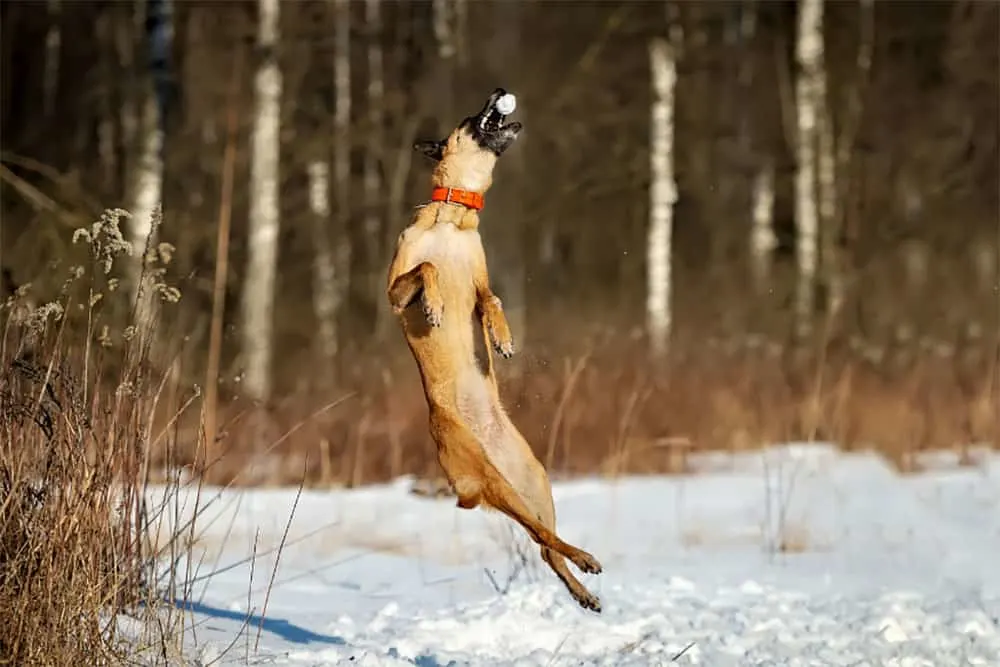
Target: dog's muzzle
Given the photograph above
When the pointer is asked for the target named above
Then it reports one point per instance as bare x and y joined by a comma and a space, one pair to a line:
489, 128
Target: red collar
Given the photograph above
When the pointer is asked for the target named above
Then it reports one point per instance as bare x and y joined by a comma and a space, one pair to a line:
473, 200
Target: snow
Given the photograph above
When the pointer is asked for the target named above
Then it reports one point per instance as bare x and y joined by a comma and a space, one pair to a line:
796, 555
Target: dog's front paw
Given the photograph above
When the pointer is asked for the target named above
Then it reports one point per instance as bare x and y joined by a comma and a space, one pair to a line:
503, 341
433, 310
504, 347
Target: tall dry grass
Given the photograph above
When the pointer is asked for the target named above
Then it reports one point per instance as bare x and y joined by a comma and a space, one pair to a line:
75, 439
600, 408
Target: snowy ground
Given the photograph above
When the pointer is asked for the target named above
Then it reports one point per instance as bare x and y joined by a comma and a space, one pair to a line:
795, 556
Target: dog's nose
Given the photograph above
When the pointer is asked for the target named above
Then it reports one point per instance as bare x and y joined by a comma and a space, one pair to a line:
494, 96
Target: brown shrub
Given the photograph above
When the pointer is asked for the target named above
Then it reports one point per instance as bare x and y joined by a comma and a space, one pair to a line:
603, 408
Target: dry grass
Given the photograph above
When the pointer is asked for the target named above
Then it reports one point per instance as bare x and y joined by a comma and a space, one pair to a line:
74, 445
603, 409
70, 481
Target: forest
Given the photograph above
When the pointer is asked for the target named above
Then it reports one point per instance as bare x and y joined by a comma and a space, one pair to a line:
725, 224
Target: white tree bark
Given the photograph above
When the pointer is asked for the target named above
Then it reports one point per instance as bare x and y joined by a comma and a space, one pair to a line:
53, 42
342, 146
826, 180
147, 188
762, 238
324, 273
258, 290
663, 193
374, 157
809, 51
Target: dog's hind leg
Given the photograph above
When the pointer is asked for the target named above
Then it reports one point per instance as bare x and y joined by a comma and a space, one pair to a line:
539, 497
584, 597
476, 481
405, 287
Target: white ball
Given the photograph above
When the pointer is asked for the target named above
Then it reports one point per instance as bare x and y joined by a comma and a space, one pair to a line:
506, 104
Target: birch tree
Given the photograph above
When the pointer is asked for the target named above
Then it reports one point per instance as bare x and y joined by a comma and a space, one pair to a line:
341, 153
826, 175
147, 186
808, 52
662, 195
324, 273
147, 192
264, 222
762, 236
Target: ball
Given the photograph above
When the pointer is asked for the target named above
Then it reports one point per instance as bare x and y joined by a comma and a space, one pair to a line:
506, 104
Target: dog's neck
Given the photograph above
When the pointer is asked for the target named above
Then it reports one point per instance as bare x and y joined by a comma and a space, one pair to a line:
464, 172
443, 213
454, 206
466, 198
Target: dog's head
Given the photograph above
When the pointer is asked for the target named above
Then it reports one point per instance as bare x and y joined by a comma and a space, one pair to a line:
466, 157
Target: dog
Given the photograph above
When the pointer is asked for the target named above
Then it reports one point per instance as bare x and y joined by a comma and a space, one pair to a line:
439, 287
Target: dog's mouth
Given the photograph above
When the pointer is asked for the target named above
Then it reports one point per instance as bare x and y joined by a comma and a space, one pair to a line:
488, 125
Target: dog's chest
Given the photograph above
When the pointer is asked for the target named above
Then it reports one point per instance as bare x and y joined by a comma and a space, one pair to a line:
451, 250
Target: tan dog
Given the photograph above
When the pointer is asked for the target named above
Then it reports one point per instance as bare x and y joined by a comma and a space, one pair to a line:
439, 286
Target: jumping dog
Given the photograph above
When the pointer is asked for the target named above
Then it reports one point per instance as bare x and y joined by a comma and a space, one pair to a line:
439, 287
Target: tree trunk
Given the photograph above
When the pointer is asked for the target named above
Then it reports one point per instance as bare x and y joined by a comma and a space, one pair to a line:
809, 51
826, 181
147, 187
324, 272
262, 249
342, 151
762, 238
147, 194
375, 219
663, 194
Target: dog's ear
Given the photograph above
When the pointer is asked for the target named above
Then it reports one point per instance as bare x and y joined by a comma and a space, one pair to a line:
432, 149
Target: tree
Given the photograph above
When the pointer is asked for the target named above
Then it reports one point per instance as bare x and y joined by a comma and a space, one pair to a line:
265, 221
663, 191
809, 54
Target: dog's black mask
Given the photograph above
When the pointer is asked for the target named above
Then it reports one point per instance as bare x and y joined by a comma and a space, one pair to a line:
486, 128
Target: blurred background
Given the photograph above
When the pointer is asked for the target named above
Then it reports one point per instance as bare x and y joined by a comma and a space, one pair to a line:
128, 104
